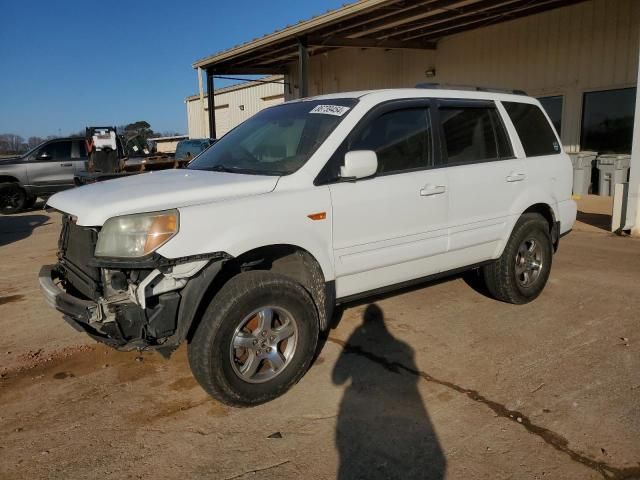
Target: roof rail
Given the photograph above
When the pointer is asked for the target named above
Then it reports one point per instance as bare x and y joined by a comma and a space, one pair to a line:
438, 86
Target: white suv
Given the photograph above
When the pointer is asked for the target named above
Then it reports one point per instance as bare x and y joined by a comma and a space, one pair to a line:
307, 205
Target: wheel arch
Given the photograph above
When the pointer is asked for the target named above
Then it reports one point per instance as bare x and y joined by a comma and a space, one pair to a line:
9, 179
549, 215
546, 210
289, 260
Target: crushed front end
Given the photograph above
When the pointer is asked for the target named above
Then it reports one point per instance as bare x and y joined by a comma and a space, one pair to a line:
126, 303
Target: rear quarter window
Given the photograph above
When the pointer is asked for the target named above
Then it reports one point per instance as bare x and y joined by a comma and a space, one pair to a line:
533, 128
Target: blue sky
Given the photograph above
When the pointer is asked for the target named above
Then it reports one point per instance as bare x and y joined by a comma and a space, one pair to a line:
67, 64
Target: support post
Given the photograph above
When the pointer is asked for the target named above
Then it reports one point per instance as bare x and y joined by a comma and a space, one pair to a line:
303, 68
633, 193
211, 104
202, 130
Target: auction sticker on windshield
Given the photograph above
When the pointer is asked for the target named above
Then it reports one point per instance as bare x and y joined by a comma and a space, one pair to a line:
337, 110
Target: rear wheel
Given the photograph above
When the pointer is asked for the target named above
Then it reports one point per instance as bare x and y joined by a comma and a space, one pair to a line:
12, 198
256, 339
522, 271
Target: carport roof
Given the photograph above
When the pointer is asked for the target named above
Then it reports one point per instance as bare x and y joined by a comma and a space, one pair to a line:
389, 24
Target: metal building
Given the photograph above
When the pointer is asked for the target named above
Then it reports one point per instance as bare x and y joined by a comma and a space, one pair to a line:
233, 105
168, 144
580, 57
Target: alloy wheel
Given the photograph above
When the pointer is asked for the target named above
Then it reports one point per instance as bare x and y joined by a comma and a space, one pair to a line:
263, 344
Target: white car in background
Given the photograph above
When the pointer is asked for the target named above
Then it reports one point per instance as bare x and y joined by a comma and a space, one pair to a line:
307, 205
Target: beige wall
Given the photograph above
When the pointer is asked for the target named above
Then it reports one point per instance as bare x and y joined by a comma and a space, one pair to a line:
349, 69
252, 96
166, 146
567, 51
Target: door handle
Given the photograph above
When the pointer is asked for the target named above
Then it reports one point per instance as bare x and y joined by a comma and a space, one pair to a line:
429, 190
515, 177
66, 164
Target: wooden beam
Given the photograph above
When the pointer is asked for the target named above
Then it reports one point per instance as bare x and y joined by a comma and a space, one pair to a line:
343, 42
410, 13
484, 7
248, 70
482, 20
303, 68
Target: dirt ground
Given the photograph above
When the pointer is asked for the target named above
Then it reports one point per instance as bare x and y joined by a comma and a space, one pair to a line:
433, 382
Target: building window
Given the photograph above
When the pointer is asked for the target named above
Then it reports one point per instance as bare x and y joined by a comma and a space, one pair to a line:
553, 107
607, 121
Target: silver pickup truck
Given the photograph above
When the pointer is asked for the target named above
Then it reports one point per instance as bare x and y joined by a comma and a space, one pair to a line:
41, 172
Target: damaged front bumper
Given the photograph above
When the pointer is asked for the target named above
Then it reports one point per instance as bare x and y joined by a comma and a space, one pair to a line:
81, 314
152, 313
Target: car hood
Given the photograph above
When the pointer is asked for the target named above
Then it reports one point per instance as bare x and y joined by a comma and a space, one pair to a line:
9, 160
93, 204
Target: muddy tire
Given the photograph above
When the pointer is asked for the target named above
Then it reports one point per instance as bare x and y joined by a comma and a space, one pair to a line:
12, 198
521, 273
255, 340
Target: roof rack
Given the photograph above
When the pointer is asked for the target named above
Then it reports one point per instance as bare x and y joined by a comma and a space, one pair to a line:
438, 86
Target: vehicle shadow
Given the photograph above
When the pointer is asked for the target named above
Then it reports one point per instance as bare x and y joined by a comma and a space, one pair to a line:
17, 227
598, 220
383, 429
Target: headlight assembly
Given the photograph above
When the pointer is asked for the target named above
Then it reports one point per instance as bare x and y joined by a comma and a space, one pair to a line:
137, 235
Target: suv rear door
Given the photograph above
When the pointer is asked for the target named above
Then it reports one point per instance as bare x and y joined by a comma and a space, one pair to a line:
386, 227
484, 175
79, 155
51, 168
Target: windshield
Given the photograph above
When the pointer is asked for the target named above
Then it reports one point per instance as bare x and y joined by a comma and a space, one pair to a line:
277, 140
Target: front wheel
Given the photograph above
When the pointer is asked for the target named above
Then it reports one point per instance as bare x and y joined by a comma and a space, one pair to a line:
256, 339
12, 198
522, 271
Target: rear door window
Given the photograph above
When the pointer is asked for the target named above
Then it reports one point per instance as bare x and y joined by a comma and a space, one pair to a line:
58, 150
473, 134
535, 131
78, 149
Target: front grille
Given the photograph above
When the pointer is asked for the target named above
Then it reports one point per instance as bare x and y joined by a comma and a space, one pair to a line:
75, 250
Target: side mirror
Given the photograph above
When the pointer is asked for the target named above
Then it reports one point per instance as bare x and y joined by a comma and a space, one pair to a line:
359, 164
44, 155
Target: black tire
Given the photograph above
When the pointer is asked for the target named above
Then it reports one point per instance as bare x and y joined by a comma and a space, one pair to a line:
12, 198
210, 355
30, 202
501, 278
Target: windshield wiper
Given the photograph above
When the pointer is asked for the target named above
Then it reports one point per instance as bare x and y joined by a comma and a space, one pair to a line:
248, 171
222, 168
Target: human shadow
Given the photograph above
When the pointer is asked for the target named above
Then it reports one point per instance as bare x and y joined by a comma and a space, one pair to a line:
18, 227
383, 430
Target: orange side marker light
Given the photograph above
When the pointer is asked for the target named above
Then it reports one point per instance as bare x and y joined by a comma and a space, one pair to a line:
318, 216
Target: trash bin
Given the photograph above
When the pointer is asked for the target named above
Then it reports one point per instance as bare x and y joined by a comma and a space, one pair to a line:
582, 163
613, 169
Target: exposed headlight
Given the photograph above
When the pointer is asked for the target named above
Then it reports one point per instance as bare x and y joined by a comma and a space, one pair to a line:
136, 235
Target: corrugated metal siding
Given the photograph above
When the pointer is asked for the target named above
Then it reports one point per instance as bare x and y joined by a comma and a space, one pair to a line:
228, 108
357, 69
197, 122
272, 100
567, 51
